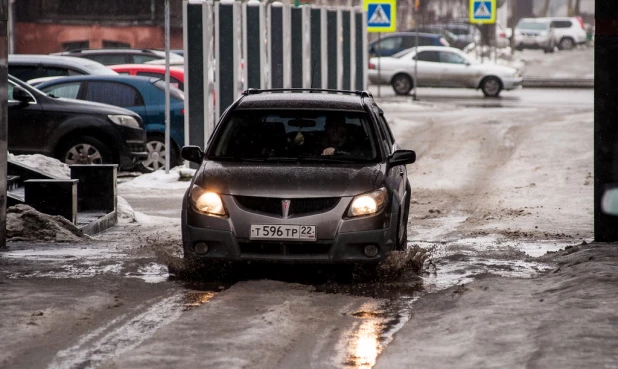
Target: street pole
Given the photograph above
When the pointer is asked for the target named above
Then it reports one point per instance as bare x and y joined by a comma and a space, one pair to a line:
167, 87
379, 57
414, 83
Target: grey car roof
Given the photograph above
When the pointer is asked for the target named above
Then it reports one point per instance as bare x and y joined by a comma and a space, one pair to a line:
322, 101
56, 60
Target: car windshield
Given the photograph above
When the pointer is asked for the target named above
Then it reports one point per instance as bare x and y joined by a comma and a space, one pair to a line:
537, 26
293, 136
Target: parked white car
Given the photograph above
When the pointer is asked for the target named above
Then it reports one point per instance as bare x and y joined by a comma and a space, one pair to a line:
442, 67
569, 32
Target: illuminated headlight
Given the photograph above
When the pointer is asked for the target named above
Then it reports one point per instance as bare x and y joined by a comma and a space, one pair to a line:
368, 203
207, 202
124, 120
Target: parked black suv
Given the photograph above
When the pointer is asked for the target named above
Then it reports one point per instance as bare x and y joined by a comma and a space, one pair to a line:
298, 175
75, 132
114, 56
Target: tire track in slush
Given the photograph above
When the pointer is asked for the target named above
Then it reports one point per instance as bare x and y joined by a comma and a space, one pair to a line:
120, 335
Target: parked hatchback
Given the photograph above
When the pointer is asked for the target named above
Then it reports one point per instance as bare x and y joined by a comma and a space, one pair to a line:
142, 95
305, 177
399, 41
75, 132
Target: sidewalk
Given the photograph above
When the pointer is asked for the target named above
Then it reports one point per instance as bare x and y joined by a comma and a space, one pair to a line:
566, 318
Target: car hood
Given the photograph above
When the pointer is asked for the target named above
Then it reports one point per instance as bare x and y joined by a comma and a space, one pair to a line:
288, 180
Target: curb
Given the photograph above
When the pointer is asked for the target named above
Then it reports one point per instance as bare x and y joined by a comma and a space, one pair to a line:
558, 83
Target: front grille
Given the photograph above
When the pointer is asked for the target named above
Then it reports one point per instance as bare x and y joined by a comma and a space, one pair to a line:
298, 207
264, 205
275, 248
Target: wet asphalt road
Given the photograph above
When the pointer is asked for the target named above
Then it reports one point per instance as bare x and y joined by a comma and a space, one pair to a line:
112, 303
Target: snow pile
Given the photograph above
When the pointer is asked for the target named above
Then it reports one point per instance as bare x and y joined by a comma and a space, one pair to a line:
24, 223
177, 178
50, 166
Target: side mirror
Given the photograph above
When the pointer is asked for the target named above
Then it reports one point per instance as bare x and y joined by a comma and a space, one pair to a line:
21, 95
402, 157
609, 201
192, 153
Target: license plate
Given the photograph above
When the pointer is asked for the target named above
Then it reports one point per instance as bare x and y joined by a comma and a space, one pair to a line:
282, 232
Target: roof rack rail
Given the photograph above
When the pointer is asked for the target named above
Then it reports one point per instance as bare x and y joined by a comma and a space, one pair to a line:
253, 91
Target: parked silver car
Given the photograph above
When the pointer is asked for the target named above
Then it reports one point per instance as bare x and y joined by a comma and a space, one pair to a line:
305, 177
535, 33
441, 67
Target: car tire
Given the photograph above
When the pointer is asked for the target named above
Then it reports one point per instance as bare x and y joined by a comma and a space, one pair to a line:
566, 43
84, 150
155, 146
402, 84
491, 86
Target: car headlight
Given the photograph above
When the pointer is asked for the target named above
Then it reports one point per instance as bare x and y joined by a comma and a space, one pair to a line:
517, 75
207, 202
124, 120
368, 203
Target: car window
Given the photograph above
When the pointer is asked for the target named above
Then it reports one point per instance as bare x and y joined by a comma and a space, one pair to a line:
141, 59
451, 58
295, 135
390, 43
388, 136
113, 93
561, 24
109, 59
66, 90
535, 26
27, 72
429, 56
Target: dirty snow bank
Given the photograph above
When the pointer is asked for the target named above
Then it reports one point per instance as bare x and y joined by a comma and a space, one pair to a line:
177, 178
24, 223
564, 319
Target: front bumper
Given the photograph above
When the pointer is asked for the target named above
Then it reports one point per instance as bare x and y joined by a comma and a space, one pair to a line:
512, 83
338, 240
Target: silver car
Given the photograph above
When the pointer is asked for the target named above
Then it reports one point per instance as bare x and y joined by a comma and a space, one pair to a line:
441, 67
307, 176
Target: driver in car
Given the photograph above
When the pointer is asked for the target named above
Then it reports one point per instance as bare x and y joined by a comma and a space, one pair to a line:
336, 138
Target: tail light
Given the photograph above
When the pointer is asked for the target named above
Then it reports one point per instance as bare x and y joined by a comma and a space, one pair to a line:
581, 22
372, 66
182, 111
444, 42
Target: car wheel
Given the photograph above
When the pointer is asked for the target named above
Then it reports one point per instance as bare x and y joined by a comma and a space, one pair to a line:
402, 84
566, 44
155, 145
85, 150
491, 86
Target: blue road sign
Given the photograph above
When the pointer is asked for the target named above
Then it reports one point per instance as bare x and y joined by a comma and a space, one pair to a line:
482, 11
381, 15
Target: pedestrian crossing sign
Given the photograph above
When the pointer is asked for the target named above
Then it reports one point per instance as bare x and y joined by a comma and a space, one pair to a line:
381, 15
483, 11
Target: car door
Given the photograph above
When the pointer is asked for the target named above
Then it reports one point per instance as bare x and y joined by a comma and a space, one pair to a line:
428, 68
455, 70
115, 93
396, 175
26, 123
